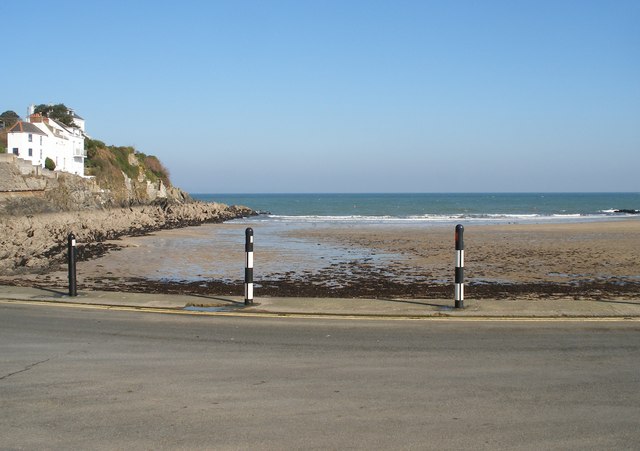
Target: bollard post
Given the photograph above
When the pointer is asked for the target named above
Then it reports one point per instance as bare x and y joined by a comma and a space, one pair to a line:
71, 257
248, 269
459, 275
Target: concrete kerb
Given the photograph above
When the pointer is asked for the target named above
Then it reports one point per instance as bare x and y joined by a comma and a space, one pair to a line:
329, 307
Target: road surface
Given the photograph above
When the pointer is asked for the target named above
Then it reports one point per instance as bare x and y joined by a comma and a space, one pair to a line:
89, 379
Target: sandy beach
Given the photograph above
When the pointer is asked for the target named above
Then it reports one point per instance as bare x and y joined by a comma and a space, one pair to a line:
515, 253
580, 260
589, 259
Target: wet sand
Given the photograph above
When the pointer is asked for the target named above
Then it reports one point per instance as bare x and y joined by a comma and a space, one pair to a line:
581, 260
592, 260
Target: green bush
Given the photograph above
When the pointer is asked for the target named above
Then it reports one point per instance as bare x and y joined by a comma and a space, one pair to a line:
59, 112
3, 150
92, 146
122, 157
155, 170
49, 164
108, 163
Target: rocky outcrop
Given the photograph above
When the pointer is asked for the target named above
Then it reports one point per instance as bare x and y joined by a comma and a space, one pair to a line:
34, 243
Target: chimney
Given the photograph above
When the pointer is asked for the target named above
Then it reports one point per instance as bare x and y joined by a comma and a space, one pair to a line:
30, 111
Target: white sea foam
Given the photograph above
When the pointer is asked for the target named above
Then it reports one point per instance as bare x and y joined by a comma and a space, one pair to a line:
428, 218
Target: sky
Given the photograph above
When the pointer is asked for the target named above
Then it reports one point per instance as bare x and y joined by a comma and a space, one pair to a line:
345, 96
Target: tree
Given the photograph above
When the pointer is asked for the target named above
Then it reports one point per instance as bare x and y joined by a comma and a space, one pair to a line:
9, 118
58, 112
49, 164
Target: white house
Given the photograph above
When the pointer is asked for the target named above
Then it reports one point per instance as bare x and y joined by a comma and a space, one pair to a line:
77, 120
42, 137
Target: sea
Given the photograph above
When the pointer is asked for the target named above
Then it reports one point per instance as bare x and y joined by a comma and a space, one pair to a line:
433, 208
281, 214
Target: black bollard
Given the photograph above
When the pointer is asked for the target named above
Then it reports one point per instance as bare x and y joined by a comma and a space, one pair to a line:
459, 277
248, 269
71, 257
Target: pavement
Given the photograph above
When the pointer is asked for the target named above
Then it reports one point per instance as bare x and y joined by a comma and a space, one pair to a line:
336, 307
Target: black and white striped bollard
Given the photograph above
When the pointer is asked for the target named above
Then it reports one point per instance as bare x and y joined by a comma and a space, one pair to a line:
71, 258
459, 281
248, 269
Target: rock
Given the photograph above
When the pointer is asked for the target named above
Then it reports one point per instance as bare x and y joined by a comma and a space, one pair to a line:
37, 242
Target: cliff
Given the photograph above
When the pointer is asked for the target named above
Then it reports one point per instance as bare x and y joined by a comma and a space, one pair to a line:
130, 177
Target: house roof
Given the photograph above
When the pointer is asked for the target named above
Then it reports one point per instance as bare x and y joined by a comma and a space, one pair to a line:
26, 127
69, 129
60, 124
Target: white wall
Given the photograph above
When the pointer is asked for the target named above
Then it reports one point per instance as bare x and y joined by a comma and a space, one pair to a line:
79, 123
64, 148
21, 142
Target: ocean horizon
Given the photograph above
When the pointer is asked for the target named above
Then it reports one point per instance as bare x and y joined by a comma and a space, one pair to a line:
432, 207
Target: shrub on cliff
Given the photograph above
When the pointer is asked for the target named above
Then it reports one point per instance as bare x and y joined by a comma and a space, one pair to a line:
154, 169
105, 162
91, 146
104, 166
111, 164
49, 164
122, 159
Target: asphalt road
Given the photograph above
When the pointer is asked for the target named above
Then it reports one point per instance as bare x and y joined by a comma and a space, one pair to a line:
77, 379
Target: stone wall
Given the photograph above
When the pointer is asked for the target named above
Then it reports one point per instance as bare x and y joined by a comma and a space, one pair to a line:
15, 175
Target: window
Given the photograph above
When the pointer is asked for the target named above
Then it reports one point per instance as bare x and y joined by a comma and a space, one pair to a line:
41, 154
15, 151
40, 139
30, 152
30, 137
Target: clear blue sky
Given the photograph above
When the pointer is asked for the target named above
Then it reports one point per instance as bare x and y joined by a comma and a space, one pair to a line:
345, 96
